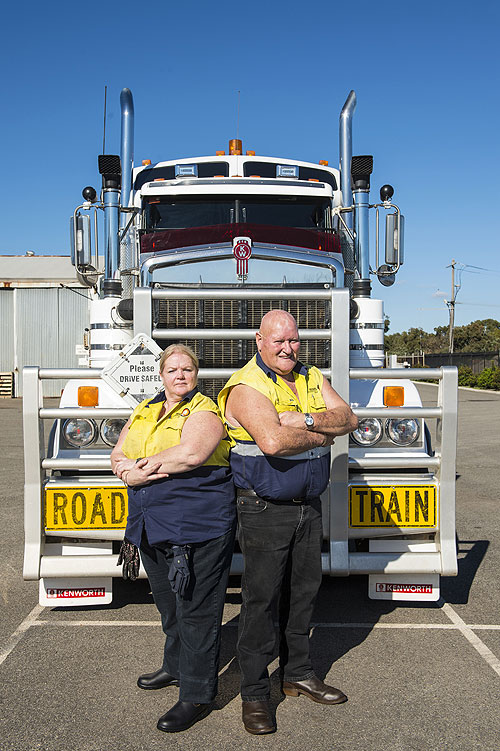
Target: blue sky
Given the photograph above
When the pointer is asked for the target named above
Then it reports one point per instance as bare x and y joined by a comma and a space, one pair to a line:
425, 74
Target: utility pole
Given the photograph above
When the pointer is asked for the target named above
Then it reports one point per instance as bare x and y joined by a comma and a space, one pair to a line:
451, 307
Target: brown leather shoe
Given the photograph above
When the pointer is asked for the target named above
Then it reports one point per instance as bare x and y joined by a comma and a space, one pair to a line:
314, 689
257, 717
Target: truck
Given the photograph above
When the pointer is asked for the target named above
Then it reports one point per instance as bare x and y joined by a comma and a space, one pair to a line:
196, 250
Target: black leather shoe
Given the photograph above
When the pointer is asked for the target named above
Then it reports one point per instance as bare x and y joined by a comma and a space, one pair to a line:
160, 679
314, 689
182, 716
257, 717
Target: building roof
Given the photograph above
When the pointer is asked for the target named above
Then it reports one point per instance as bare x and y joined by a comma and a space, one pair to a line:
37, 271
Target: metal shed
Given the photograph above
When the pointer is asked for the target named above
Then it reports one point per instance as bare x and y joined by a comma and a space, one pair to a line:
43, 314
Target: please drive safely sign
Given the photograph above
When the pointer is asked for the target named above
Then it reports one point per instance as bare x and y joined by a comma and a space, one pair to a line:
134, 374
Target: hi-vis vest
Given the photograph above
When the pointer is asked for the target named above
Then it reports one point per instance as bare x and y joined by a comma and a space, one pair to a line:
303, 475
186, 507
147, 435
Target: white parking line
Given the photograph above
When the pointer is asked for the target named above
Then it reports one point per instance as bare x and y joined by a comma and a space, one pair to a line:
18, 634
457, 624
367, 625
471, 637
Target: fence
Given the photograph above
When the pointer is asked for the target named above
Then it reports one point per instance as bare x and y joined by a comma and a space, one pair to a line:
477, 361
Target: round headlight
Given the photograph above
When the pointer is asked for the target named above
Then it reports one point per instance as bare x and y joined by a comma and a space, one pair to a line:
110, 431
404, 431
79, 432
368, 432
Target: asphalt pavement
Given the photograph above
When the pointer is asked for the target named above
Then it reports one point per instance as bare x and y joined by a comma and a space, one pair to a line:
420, 677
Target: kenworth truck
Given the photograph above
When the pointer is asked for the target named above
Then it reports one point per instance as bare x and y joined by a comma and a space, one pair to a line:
196, 251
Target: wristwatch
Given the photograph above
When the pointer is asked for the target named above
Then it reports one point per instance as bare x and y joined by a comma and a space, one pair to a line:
309, 421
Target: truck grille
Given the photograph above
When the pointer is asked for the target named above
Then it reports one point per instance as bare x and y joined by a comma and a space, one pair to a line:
231, 314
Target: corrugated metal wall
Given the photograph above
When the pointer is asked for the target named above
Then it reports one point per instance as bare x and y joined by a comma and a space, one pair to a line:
48, 323
6, 330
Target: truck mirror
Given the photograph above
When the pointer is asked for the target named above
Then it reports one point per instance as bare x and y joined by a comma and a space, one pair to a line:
394, 239
385, 276
80, 240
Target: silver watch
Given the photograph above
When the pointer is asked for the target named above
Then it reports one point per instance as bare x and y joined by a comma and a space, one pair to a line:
309, 420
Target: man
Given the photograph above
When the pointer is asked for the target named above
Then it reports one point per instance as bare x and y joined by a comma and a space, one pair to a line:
283, 416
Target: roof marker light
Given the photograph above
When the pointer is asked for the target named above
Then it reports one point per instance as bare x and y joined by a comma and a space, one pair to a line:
324, 162
394, 396
250, 153
287, 170
186, 170
220, 153
146, 162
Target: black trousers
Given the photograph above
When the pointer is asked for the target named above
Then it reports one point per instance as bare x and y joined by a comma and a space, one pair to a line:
281, 545
192, 623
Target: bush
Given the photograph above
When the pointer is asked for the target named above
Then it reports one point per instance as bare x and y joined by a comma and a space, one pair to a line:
489, 379
466, 377
496, 380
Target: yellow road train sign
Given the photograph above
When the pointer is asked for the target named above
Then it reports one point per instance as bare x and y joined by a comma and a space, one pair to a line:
85, 508
392, 506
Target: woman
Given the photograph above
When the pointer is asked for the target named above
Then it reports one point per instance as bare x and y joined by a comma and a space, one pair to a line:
173, 456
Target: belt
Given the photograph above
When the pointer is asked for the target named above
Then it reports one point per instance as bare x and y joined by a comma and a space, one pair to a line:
249, 493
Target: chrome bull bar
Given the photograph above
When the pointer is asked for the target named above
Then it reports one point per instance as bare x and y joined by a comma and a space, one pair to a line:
338, 560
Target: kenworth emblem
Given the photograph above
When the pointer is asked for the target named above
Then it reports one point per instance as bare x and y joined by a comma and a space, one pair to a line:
242, 250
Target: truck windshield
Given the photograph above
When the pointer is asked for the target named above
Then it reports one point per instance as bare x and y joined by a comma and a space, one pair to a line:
279, 211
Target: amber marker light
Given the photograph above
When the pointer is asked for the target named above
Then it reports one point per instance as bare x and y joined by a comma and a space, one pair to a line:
88, 396
146, 162
323, 162
394, 396
250, 153
235, 147
220, 153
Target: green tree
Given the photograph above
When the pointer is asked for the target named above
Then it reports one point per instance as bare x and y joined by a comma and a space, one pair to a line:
477, 336
410, 342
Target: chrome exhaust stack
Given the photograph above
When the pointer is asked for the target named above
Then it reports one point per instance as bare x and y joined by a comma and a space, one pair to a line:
354, 173
110, 169
128, 259
361, 169
116, 174
345, 152
127, 147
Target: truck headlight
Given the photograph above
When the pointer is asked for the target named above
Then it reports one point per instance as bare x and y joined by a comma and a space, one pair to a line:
368, 432
403, 431
110, 431
79, 432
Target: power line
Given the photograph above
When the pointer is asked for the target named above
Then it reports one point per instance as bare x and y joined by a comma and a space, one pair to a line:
469, 266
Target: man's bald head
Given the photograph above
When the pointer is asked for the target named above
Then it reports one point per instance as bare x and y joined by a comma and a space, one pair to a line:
278, 341
276, 319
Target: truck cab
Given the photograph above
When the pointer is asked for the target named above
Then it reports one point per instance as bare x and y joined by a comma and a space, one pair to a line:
197, 250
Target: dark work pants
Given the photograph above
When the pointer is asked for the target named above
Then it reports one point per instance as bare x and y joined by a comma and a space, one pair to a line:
281, 545
192, 623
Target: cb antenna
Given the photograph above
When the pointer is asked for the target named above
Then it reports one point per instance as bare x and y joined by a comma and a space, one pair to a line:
238, 116
104, 124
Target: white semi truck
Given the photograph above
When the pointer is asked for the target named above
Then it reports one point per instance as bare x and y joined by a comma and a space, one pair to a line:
197, 250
